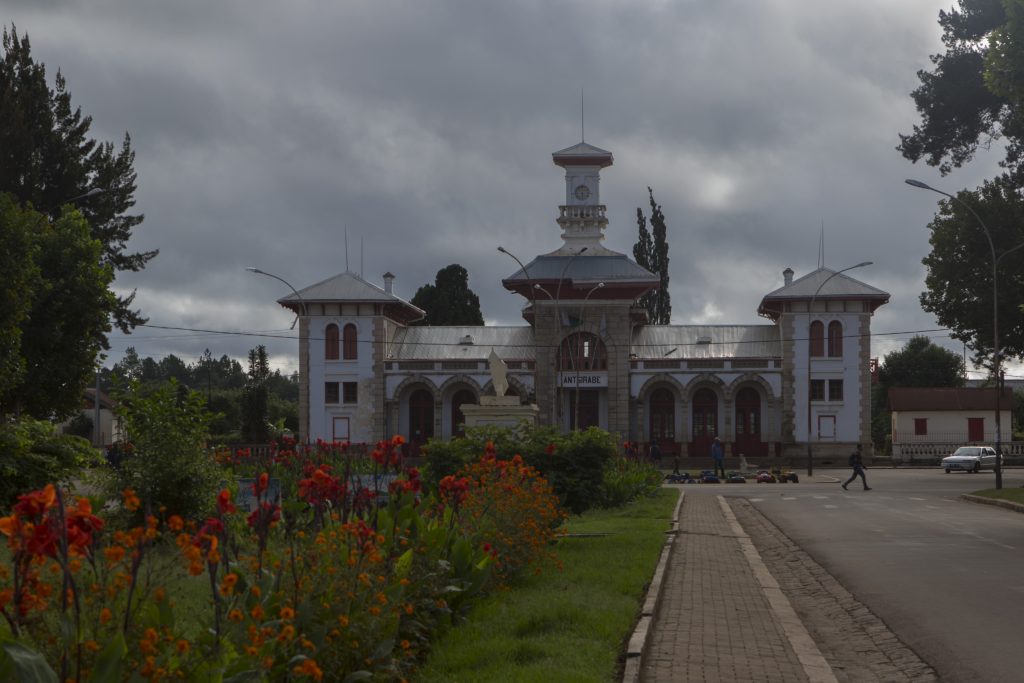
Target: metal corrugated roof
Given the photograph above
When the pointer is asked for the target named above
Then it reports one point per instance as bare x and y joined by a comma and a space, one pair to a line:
585, 268
840, 285
443, 343
723, 341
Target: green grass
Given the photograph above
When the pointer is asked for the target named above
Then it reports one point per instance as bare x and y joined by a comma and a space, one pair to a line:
1015, 495
563, 625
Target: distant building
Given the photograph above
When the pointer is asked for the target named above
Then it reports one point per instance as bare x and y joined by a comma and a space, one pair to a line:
107, 428
930, 422
588, 355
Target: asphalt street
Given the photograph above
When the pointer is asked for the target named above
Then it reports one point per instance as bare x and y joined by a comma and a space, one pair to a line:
946, 576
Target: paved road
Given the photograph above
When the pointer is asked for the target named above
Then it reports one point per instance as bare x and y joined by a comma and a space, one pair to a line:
945, 575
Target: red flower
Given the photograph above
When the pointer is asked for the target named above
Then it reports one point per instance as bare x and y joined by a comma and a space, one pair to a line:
224, 504
261, 484
550, 450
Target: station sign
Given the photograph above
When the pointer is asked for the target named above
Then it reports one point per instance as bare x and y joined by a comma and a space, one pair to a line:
587, 380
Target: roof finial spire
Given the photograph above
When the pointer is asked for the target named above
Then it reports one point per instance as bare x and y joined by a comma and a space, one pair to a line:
821, 246
582, 128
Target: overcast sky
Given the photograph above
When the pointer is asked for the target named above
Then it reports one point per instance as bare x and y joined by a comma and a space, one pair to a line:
263, 130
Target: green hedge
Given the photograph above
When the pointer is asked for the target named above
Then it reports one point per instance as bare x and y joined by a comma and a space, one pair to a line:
573, 463
33, 454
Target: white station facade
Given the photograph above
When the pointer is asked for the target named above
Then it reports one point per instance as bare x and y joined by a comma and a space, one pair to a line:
588, 354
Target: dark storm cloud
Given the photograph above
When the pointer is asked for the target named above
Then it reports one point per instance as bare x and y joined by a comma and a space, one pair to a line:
265, 130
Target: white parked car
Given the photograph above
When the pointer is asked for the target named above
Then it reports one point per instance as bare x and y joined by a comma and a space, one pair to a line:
970, 459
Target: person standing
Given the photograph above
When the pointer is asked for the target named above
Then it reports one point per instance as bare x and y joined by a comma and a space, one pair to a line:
654, 453
718, 455
857, 463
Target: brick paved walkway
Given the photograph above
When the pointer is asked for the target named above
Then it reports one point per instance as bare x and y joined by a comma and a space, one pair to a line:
734, 608
714, 621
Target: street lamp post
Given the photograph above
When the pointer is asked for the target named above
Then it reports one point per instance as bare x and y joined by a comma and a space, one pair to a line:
995, 316
302, 302
303, 351
579, 360
533, 305
810, 314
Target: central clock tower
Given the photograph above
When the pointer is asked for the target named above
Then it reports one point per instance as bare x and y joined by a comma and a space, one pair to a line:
582, 216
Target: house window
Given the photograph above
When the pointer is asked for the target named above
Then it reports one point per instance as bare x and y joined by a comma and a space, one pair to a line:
835, 339
817, 336
331, 342
351, 352
331, 394
817, 390
920, 426
349, 392
835, 390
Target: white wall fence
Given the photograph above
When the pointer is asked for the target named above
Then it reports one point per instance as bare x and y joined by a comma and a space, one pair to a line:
933, 451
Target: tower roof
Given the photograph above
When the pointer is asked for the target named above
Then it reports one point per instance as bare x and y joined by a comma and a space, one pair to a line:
823, 283
582, 154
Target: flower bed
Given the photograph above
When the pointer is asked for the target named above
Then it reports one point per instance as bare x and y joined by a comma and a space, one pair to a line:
318, 583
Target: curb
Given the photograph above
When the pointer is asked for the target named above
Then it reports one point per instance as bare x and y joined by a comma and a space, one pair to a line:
1007, 504
638, 640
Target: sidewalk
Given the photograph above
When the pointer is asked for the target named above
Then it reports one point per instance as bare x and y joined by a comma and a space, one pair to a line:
721, 616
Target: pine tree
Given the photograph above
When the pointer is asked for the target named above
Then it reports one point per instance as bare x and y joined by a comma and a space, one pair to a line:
255, 399
449, 301
651, 252
47, 158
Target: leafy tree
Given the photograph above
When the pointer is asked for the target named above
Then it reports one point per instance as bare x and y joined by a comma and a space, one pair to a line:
20, 274
449, 301
168, 464
47, 158
965, 101
33, 454
959, 278
651, 252
68, 319
255, 422
920, 363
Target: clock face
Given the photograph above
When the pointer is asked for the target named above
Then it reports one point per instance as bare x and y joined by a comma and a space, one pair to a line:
582, 192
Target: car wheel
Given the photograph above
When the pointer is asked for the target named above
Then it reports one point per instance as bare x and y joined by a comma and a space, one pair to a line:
977, 467
947, 470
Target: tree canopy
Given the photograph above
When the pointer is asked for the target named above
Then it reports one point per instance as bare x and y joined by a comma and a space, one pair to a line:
920, 363
959, 278
62, 315
973, 95
47, 159
651, 252
449, 301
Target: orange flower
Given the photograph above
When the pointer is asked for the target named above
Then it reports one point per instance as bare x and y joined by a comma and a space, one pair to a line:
106, 615
235, 615
256, 612
182, 647
175, 523
224, 504
131, 501
227, 585
287, 613
309, 667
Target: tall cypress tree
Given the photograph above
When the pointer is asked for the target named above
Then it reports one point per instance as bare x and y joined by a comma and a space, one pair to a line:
651, 252
659, 261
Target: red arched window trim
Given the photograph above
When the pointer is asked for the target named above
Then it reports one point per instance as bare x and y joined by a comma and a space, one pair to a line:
350, 350
817, 339
331, 342
835, 339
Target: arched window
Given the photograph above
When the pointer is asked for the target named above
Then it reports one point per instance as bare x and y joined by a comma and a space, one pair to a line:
835, 339
349, 348
331, 342
582, 351
817, 339
461, 398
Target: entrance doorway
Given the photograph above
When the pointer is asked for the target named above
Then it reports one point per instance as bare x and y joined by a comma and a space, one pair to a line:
705, 422
748, 423
590, 408
663, 421
421, 419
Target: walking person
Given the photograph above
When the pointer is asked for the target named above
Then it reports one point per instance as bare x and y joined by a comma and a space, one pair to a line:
654, 453
718, 455
857, 463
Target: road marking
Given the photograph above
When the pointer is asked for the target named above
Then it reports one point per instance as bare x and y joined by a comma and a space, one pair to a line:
821, 497
814, 663
913, 498
831, 507
789, 498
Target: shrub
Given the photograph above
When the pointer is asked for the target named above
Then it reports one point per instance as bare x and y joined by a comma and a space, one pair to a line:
572, 463
33, 454
166, 462
626, 479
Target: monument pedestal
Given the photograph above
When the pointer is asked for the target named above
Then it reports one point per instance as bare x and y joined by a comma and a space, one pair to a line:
500, 411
